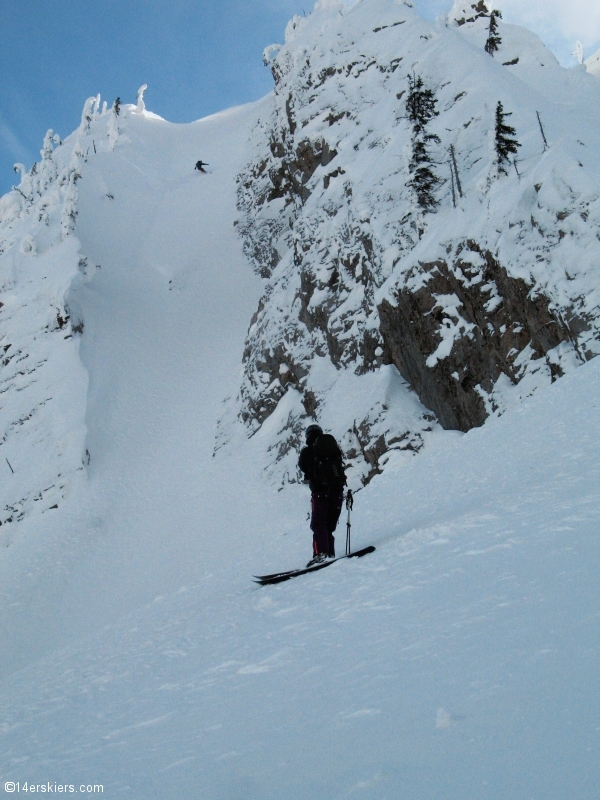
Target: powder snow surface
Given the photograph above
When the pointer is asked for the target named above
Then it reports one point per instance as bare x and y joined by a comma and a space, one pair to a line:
458, 661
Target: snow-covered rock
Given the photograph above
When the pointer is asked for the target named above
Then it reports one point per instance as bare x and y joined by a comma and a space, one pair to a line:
593, 64
367, 297
43, 385
463, 12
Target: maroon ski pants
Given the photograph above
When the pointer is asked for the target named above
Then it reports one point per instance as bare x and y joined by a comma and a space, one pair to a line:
326, 510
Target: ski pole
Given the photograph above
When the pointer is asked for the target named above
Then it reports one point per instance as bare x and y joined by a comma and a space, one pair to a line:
349, 504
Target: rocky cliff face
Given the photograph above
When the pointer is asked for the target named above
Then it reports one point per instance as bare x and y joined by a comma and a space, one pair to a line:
504, 326
384, 321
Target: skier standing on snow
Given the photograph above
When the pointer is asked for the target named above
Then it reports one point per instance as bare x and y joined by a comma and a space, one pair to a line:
321, 463
200, 166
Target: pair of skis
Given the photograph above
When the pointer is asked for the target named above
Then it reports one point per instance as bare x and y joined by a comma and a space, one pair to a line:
279, 577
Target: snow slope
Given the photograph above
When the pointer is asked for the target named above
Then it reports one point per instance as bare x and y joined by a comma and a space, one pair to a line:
457, 661
593, 64
165, 313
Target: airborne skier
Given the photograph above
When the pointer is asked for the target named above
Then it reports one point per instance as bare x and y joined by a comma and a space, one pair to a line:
321, 463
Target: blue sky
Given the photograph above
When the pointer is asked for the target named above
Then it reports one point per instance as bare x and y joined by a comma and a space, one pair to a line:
197, 56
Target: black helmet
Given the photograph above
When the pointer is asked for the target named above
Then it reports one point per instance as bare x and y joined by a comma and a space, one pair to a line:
312, 432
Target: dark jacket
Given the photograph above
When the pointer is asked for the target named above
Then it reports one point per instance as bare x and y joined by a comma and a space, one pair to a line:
307, 463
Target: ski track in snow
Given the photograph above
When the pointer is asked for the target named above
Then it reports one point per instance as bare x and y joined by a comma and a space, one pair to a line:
458, 661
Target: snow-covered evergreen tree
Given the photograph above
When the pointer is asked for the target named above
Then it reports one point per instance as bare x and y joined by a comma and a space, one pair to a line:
494, 40
113, 124
505, 141
87, 115
141, 106
47, 148
420, 106
97, 107
578, 52
48, 171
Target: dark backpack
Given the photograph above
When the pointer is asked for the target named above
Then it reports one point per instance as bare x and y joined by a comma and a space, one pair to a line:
329, 467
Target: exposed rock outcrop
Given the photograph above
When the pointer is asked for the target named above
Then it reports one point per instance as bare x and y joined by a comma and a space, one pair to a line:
466, 326
383, 322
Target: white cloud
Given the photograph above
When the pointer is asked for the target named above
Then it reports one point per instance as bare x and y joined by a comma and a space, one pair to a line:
572, 19
10, 142
558, 23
